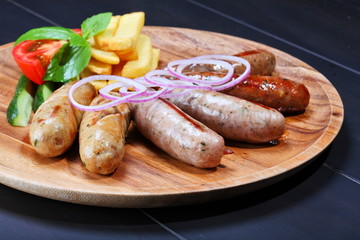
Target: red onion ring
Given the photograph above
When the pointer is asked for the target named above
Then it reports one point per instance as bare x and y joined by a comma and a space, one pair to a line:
157, 77
183, 63
235, 81
142, 89
162, 78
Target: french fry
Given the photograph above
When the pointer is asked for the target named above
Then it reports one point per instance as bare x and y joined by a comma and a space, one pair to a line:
139, 67
86, 73
98, 67
98, 84
129, 28
105, 56
121, 49
92, 42
116, 69
102, 39
154, 58
128, 56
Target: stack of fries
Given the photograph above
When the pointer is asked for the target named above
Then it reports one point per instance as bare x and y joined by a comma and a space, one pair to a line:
121, 49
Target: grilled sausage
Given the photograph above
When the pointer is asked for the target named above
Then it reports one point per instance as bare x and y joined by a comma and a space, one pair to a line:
262, 62
231, 117
286, 96
102, 137
55, 124
178, 134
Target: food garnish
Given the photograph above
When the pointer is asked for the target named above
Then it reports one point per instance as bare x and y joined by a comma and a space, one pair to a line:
169, 82
19, 110
52, 56
72, 55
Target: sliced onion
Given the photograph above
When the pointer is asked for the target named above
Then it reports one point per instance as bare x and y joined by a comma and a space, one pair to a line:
176, 94
237, 80
161, 78
221, 57
181, 64
149, 97
171, 83
124, 87
118, 100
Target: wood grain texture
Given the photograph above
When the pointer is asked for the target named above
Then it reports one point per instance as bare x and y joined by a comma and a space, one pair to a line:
148, 177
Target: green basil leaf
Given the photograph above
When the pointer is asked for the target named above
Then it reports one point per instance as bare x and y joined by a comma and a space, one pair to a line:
57, 33
67, 63
95, 24
77, 40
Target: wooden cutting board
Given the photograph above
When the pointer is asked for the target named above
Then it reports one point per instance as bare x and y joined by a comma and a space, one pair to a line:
148, 177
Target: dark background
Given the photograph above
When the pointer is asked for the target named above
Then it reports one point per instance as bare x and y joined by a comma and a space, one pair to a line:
319, 202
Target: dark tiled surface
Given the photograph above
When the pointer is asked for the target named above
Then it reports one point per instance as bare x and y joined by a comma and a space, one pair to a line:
24, 216
15, 21
309, 211
329, 28
320, 202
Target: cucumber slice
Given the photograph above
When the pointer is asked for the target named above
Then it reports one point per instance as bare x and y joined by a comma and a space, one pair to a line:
43, 92
19, 109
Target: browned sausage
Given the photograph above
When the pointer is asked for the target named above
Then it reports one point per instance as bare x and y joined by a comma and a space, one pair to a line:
262, 62
232, 117
287, 96
55, 124
102, 137
176, 133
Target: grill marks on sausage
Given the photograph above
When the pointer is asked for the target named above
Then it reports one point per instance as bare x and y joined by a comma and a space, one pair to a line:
231, 117
102, 137
181, 113
101, 114
246, 53
55, 124
165, 125
55, 111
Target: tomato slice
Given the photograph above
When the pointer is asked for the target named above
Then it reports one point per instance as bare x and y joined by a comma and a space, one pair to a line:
33, 57
77, 31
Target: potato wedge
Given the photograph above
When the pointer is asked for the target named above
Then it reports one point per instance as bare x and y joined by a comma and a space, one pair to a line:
92, 42
98, 67
86, 73
154, 58
102, 39
128, 56
129, 28
139, 67
98, 84
105, 56
116, 69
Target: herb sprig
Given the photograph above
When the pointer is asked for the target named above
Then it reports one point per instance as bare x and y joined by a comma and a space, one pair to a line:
73, 56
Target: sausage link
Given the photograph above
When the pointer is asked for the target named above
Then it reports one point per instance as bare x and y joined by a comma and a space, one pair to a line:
55, 124
178, 134
286, 96
102, 137
231, 117
262, 62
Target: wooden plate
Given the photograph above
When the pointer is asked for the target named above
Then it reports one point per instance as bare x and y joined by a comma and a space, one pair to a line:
148, 177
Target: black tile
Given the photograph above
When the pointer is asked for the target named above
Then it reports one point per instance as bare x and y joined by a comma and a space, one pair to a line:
24, 216
313, 204
15, 21
330, 28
